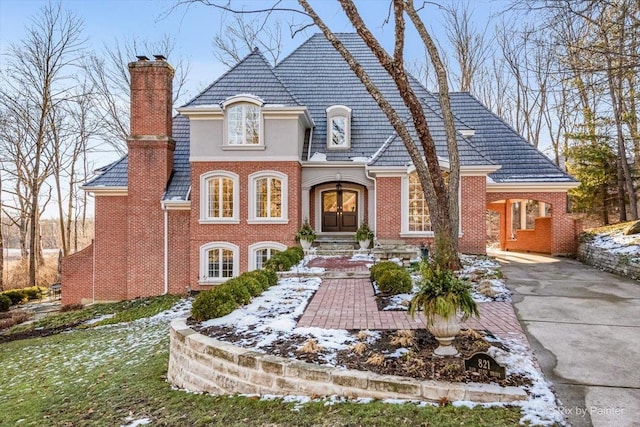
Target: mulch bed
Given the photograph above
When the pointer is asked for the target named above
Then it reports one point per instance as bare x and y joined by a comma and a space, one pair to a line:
419, 362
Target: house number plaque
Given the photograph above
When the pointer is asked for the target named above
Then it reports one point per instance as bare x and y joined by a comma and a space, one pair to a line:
482, 363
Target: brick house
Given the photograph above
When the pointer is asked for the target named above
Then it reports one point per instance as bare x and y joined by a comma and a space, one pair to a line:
216, 189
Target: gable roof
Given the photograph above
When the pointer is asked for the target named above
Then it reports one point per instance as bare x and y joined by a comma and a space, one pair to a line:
316, 76
253, 75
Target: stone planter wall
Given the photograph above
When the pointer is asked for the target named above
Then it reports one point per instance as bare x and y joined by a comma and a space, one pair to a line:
200, 363
621, 264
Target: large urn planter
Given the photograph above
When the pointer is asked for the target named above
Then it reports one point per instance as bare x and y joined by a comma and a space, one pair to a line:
444, 329
364, 244
306, 244
446, 302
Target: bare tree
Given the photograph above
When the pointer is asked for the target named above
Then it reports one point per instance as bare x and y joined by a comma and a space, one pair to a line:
36, 77
469, 43
235, 40
110, 84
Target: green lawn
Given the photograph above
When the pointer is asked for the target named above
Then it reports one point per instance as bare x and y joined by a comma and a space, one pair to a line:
110, 375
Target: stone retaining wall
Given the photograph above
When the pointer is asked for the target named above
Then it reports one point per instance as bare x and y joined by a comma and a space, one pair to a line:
200, 363
621, 264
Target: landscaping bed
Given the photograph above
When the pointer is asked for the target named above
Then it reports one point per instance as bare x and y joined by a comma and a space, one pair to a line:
481, 272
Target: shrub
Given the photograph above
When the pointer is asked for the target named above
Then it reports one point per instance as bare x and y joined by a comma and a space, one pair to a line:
213, 303
394, 281
239, 291
71, 307
16, 296
33, 292
279, 262
381, 267
292, 256
271, 275
5, 303
251, 284
298, 251
260, 277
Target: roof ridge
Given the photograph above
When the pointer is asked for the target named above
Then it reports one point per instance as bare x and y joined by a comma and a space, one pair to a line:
226, 73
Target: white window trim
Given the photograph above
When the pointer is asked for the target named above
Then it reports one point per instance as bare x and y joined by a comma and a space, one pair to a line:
262, 245
204, 198
253, 219
204, 259
339, 111
404, 211
231, 102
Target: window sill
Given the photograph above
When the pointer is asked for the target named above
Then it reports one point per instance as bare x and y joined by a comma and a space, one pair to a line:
338, 147
245, 147
268, 221
219, 221
212, 282
417, 234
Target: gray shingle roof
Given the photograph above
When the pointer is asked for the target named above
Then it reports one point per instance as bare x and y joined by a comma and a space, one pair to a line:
319, 78
178, 188
112, 175
521, 162
253, 75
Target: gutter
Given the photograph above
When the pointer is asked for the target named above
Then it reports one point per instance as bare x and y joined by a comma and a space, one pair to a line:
166, 249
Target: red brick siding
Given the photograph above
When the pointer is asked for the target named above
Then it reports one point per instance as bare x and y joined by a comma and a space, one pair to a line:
388, 211
179, 251
111, 248
473, 213
150, 164
77, 273
242, 234
151, 98
564, 233
536, 240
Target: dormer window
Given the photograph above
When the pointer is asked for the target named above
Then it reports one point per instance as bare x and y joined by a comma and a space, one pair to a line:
338, 127
243, 121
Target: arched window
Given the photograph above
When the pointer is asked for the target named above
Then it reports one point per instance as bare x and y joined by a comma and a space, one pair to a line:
243, 124
219, 197
218, 262
260, 252
268, 195
338, 127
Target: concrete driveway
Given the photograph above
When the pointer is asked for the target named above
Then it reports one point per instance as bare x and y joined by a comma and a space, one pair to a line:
584, 326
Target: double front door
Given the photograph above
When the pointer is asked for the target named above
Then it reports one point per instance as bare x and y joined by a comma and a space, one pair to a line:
339, 211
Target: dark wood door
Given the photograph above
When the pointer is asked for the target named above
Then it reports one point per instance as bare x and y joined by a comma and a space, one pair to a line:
339, 211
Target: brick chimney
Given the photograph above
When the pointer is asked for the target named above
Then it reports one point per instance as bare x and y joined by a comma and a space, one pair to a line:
151, 148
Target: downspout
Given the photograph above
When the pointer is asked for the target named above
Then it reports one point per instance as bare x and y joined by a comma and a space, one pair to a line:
166, 249
310, 140
93, 272
375, 202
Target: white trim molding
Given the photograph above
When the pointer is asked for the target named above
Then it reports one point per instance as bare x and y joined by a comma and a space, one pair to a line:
204, 198
204, 278
339, 111
176, 205
530, 187
284, 198
106, 191
262, 245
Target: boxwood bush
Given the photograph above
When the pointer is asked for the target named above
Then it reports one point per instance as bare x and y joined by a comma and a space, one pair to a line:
272, 276
394, 281
5, 303
378, 269
213, 303
283, 261
260, 277
239, 291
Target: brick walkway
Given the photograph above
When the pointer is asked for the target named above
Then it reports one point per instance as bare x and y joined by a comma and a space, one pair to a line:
349, 303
